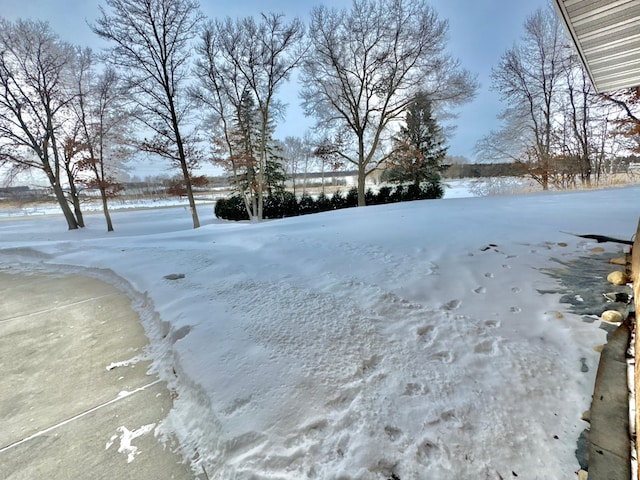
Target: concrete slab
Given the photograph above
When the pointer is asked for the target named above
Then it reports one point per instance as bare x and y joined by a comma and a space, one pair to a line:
609, 451
74, 404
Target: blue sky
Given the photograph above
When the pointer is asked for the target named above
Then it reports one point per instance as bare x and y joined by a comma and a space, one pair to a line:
479, 32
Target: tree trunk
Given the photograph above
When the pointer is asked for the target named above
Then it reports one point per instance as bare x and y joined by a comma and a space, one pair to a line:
260, 193
361, 183
105, 208
62, 201
72, 223
77, 209
306, 169
187, 182
75, 199
586, 170
183, 162
254, 206
362, 174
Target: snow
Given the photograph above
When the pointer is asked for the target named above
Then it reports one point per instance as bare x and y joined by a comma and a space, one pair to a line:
127, 437
407, 339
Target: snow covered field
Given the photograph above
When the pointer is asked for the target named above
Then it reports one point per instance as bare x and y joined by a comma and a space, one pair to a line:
407, 339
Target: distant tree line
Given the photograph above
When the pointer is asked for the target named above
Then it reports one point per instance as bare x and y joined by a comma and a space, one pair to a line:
480, 170
614, 165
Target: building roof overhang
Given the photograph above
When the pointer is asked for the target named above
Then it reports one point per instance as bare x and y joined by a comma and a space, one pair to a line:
606, 34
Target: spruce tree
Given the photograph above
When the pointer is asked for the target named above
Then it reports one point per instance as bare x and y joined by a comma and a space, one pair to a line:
419, 146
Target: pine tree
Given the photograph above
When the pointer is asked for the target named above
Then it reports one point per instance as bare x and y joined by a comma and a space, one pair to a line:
275, 174
243, 161
419, 148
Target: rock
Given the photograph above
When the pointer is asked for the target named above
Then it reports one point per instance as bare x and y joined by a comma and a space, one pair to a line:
583, 475
597, 250
598, 348
618, 261
618, 278
612, 316
562, 244
617, 297
586, 416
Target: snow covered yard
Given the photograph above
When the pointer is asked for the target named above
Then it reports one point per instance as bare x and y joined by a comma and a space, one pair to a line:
405, 340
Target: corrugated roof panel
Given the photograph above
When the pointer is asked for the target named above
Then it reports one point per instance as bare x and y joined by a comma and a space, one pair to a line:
608, 40
607, 36
624, 61
589, 9
611, 22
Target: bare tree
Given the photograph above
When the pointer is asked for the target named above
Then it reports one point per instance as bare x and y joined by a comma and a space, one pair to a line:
152, 42
627, 127
578, 113
585, 134
297, 153
35, 68
242, 62
101, 116
529, 77
365, 67
555, 125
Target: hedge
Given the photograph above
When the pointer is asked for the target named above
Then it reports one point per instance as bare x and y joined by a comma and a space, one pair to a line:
287, 205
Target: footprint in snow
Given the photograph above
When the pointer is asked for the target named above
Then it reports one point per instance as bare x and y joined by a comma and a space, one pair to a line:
480, 290
452, 305
392, 432
485, 347
444, 356
413, 389
429, 452
425, 335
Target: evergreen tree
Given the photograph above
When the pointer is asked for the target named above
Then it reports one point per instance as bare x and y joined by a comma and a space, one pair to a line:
245, 140
419, 148
275, 174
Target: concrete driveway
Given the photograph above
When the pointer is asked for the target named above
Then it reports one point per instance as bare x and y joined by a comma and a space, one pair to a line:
71, 406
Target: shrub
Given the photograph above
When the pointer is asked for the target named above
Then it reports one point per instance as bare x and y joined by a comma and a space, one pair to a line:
433, 190
323, 203
413, 192
352, 197
231, 208
338, 201
384, 195
281, 205
370, 197
271, 207
307, 205
398, 194
290, 205
285, 204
